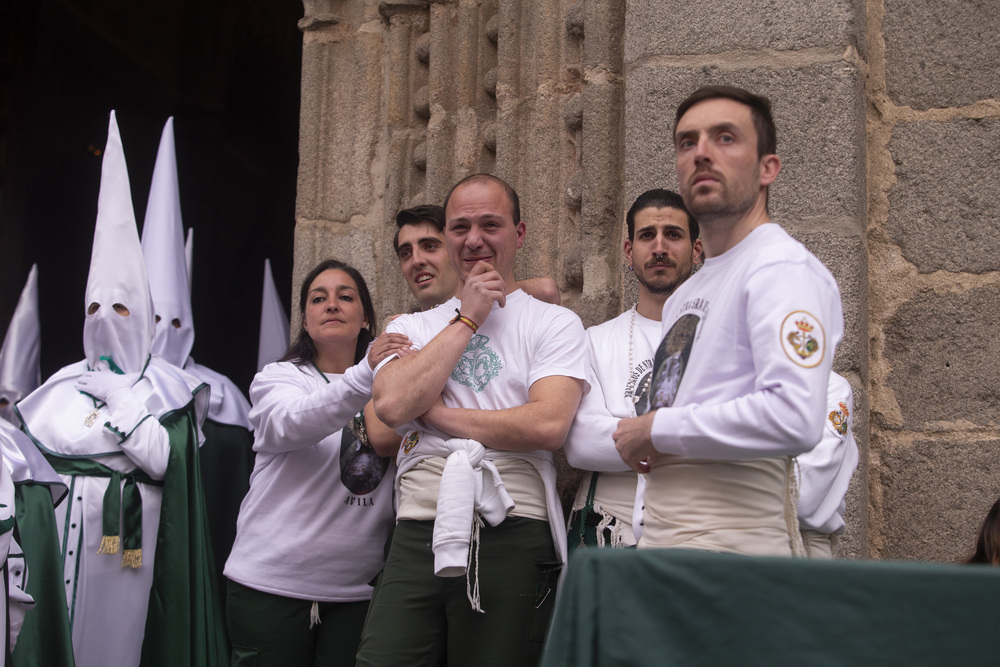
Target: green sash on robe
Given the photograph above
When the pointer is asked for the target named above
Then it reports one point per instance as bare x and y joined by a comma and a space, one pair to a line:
184, 624
45, 637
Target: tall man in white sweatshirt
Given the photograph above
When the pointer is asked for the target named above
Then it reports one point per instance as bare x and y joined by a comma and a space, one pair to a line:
740, 378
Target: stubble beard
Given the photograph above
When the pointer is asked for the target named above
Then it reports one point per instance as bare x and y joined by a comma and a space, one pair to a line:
730, 204
665, 287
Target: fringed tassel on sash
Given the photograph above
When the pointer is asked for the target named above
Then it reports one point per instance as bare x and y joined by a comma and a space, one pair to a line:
132, 558
616, 530
132, 518
792, 485
314, 618
110, 544
110, 515
472, 584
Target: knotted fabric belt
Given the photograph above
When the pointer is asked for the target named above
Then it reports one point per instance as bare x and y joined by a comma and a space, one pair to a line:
119, 502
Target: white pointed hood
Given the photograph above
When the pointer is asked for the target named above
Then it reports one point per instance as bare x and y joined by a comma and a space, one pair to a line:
164, 254
117, 274
273, 323
20, 369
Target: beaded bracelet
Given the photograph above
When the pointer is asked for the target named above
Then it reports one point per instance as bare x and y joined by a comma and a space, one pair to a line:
459, 317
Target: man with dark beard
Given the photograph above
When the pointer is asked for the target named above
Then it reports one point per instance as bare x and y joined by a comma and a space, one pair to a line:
750, 339
662, 249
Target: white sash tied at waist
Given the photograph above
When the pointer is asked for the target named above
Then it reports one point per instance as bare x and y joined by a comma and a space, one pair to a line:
470, 483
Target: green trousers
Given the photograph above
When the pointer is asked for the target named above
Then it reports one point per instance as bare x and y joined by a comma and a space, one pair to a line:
271, 630
420, 619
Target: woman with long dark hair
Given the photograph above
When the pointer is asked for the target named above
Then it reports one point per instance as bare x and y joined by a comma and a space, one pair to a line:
312, 528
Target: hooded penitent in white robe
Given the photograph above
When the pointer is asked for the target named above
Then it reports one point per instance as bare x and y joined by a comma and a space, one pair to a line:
227, 453
20, 368
273, 339
121, 428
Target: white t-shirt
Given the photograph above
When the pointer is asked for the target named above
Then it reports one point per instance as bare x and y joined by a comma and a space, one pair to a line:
314, 524
740, 375
517, 345
619, 389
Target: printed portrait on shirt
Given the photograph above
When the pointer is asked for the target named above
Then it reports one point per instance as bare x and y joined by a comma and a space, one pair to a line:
670, 361
638, 387
361, 469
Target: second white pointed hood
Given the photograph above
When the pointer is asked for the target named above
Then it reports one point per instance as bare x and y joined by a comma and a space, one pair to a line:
165, 257
20, 356
117, 281
273, 323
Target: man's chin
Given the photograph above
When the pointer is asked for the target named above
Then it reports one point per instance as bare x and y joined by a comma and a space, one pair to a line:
660, 287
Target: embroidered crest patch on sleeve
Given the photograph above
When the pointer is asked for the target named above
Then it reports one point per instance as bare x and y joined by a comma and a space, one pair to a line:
803, 339
839, 419
410, 441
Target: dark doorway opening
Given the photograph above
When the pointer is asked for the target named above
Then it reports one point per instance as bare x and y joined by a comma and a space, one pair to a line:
229, 72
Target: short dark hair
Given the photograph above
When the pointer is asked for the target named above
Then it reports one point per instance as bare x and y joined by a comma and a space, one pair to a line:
431, 214
660, 198
760, 113
515, 202
303, 350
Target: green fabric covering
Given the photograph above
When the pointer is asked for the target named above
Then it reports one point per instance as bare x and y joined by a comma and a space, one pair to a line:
45, 637
226, 463
184, 624
676, 607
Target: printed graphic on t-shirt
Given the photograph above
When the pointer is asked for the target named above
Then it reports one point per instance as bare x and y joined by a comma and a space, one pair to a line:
361, 469
671, 359
478, 364
637, 387
803, 338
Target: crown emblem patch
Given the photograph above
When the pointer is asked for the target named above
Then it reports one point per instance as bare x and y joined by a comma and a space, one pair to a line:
803, 338
410, 441
839, 419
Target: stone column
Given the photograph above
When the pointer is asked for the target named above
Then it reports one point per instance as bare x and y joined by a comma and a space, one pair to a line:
363, 137
934, 231
808, 59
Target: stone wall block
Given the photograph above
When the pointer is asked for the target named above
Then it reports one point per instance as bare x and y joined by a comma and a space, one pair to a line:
399, 158
941, 53
340, 125
942, 352
605, 43
944, 209
462, 54
847, 259
602, 103
534, 151
677, 27
936, 494
819, 113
